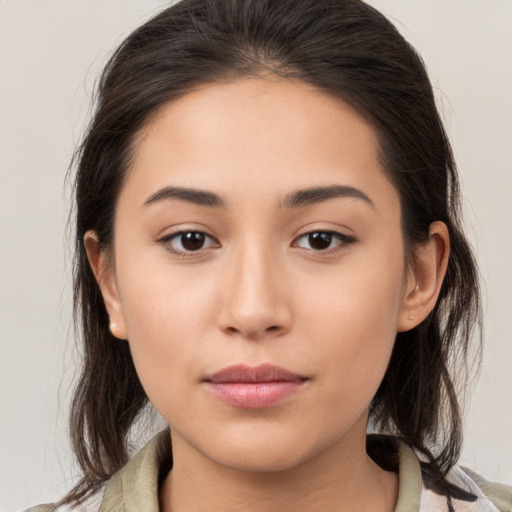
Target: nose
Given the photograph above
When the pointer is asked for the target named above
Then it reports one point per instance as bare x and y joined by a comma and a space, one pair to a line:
253, 303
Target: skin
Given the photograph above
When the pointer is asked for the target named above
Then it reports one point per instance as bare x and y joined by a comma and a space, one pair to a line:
259, 292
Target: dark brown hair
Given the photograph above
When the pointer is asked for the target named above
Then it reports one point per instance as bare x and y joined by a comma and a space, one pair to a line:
349, 50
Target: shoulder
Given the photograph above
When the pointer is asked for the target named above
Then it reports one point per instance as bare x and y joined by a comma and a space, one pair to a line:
480, 494
498, 494
135, 483
93, 504
42, 508
417, 492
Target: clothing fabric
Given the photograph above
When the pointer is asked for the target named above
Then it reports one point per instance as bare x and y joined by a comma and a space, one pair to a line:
134, 488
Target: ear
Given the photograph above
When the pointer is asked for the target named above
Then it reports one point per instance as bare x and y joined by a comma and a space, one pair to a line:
103, 270
425, 277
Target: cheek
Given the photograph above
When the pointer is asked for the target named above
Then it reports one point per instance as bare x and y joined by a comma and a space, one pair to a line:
165, 319
352, 316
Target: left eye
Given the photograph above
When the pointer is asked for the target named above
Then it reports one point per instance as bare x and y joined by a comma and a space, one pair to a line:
323, 240
189, 241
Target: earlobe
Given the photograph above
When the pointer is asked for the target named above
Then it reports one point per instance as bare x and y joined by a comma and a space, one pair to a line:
425, 277
105, 277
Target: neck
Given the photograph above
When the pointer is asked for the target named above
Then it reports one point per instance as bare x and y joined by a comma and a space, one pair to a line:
342, 477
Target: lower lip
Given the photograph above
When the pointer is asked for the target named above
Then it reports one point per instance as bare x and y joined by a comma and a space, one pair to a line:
254, 395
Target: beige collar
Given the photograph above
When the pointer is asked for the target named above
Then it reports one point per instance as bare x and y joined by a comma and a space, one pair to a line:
409, 480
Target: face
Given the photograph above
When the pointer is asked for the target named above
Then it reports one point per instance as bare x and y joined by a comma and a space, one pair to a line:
256, 229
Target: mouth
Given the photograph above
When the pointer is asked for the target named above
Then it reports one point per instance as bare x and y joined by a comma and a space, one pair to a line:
257, 387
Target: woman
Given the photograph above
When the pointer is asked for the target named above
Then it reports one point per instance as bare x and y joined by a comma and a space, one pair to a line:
269, 250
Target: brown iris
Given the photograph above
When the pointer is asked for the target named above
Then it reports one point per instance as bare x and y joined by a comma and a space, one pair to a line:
192, 240
320, 240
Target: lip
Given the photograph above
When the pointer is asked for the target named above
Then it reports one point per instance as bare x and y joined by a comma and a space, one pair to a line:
256, 387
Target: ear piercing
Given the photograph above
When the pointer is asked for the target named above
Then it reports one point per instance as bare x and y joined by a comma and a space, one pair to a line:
113, 327
411, 317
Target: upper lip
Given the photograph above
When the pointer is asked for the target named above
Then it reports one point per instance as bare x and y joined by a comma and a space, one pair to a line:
250, 374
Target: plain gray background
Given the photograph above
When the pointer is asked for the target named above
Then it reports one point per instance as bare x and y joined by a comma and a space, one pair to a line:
50, 54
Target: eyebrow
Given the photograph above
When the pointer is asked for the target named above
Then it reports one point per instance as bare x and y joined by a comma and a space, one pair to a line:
303, 197
191, 195
314, 195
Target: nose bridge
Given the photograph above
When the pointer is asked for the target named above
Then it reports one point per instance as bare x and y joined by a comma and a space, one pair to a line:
254, 302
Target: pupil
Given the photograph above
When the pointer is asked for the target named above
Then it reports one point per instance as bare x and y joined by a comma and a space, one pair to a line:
192, 241
320, 240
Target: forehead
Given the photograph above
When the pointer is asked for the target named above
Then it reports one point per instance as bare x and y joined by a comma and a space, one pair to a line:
258, 136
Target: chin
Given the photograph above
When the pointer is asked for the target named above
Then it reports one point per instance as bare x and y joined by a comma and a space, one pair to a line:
264, 450
262, 461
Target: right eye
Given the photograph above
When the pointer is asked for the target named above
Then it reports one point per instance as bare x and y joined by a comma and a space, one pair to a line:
188, 242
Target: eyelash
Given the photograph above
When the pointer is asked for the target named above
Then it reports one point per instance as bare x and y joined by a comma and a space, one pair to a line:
343, 242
